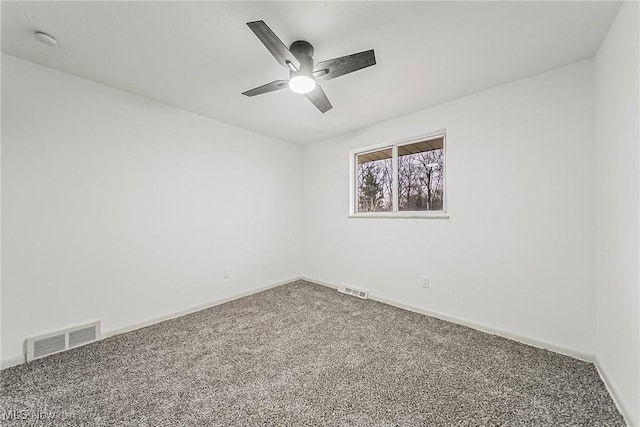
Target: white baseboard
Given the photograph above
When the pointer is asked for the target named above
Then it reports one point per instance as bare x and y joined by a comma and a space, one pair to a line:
9, 362
614, 396
155, 320
12, 361
475, 325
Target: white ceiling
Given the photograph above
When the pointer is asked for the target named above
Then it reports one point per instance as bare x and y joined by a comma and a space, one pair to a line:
200, 56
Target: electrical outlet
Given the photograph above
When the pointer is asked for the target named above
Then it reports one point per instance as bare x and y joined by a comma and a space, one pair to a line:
426, 281
227, 272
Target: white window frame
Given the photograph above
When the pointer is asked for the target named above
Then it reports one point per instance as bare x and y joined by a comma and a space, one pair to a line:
395, 213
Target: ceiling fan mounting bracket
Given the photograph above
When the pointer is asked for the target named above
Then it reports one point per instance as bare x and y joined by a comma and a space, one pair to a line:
301, 47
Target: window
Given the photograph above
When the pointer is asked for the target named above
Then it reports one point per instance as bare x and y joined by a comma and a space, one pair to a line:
375, 181
402, 179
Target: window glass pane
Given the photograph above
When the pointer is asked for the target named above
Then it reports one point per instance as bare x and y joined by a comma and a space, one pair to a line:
421, 176
374, 180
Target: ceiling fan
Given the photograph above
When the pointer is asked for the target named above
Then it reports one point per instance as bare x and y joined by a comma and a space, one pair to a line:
298, 59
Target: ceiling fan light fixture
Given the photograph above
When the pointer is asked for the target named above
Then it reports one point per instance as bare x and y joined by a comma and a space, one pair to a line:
302, 84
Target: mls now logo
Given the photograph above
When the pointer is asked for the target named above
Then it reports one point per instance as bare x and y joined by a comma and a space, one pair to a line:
26, 414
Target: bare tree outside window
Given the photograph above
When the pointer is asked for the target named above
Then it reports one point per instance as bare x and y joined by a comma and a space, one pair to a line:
420, 177
374, 176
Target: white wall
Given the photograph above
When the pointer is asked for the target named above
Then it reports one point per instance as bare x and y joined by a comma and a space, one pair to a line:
517, 252
617, 213
123, 209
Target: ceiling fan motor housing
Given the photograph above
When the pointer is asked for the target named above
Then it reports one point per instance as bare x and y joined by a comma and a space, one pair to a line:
303, 51
301, 80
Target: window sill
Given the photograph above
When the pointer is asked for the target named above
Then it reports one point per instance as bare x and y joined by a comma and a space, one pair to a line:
430, 215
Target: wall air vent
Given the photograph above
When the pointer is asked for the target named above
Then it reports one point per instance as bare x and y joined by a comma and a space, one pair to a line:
355, 292
82, 336
55, 342
49, 345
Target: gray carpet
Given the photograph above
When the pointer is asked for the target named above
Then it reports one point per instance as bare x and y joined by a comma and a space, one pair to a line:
303, 354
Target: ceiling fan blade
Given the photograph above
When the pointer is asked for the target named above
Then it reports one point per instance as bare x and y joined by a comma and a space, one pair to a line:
274, 45
336, 67
269, 87
319, 99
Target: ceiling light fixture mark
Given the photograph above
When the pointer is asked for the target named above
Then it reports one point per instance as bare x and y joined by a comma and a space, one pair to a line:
46, 39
